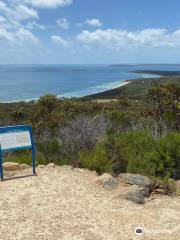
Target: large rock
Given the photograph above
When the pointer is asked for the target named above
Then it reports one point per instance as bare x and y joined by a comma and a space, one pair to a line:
135, 196
110, 184
144, 191
107, 181
11, 166
134, 193
103, 178
136, 179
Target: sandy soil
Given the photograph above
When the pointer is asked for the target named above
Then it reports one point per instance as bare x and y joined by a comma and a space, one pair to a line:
63, 204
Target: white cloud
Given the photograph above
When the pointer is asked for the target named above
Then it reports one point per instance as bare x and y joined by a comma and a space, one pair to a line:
15, 14
23, 12
63, 23
2, 20
12, 23
59, 41
94, 22
5, 35
49, 3
22, 36
35, 25
117, 39
4, 23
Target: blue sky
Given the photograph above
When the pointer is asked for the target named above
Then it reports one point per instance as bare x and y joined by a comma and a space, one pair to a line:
89, 31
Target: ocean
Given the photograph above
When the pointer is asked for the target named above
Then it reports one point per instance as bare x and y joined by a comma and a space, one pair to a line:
28, 82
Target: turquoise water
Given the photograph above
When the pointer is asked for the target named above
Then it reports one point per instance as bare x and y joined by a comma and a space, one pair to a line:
27, 82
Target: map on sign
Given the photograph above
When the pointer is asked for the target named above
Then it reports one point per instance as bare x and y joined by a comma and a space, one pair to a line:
17, 139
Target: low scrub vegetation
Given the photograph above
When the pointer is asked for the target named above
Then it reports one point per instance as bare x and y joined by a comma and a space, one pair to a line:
97, 160
127, 135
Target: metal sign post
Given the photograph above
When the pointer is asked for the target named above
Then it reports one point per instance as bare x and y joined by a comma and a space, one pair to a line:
14, 138
1, 164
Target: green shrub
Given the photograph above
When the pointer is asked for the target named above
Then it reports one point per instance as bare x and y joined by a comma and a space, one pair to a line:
40, 159
114, 148
170, 145
136, 145
138, 152
127, 150
19, 157
97, 160
53, 152
51, 149
25, 157
164, 159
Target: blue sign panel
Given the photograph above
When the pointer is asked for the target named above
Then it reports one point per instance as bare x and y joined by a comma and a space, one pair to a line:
14, 138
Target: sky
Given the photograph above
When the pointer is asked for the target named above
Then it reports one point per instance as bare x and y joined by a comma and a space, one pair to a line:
89, 31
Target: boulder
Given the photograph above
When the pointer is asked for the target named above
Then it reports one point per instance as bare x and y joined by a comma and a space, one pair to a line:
11, 166
107, 181
136, 179
103, 178
134, 193
135, 196
110, 184
50, 165
144, 191
24, 166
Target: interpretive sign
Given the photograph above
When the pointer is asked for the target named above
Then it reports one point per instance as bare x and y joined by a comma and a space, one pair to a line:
14, 138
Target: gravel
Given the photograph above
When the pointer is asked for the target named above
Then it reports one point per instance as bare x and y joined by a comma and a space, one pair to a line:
61, 204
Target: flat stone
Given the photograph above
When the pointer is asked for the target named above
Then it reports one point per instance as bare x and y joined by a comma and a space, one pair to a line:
107, 181
41, 166
11, 166
24, 166
50, 165
103, 178
78, 169
136, 179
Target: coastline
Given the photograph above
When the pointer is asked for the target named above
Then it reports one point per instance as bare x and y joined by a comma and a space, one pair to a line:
134, 88
121, 84
124, 87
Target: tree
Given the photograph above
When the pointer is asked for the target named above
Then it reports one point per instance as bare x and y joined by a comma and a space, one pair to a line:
164, 101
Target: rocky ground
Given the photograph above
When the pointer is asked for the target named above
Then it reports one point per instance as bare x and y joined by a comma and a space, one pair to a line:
64, 204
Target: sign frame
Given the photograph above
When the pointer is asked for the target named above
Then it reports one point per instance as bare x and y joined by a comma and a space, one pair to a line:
16, 129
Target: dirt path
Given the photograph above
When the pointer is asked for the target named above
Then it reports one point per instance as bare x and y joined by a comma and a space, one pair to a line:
63, 204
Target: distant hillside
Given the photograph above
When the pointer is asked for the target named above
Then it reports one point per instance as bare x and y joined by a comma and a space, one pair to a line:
157, 72
136, 65
135, 89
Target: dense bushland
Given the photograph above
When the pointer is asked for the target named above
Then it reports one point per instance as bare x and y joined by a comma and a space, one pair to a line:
123, 135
